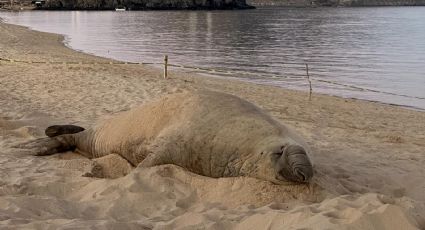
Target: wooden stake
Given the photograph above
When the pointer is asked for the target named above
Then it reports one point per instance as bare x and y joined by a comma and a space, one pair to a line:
165, 66
309, 82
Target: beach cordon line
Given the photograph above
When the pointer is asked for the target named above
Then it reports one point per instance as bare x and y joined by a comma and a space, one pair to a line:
228, 72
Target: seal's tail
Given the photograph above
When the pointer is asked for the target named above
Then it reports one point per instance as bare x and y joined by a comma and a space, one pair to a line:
47, 146
56, 130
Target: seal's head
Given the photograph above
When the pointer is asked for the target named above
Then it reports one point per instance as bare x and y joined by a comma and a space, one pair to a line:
281, 163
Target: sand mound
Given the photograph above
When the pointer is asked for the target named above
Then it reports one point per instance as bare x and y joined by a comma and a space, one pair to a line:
168, 197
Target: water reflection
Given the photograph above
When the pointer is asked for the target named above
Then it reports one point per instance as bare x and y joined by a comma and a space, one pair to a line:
376, 48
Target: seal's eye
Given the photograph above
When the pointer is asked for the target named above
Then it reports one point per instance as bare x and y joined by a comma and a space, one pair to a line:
278, 153
275, 152
281, 151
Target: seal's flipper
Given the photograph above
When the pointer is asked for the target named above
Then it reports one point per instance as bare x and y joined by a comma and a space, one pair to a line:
159, 158
47, 146
56, 130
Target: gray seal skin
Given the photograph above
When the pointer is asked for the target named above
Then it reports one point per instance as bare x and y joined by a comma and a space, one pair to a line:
209, 133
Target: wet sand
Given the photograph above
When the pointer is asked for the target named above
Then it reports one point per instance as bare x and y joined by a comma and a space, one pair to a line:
368, 156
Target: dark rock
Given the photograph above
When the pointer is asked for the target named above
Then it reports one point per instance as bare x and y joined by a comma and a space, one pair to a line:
144, 4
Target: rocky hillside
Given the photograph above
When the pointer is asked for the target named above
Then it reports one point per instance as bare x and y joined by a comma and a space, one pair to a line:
314, 3
143, 4
383, 2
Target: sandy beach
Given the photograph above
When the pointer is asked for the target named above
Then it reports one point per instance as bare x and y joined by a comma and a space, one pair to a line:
369, 157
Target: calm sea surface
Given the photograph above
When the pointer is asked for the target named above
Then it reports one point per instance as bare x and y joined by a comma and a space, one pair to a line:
379, 49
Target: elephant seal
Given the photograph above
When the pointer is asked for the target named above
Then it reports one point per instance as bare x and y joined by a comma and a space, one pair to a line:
209, 133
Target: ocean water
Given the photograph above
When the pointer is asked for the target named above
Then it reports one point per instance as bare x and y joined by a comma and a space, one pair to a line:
372, 53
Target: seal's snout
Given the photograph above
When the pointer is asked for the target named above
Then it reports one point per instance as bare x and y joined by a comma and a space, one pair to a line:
296, 165
299, 162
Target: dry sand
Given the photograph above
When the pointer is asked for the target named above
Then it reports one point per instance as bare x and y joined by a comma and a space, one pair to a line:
369, 158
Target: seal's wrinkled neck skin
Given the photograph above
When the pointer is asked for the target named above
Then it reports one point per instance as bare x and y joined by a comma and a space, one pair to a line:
283, 162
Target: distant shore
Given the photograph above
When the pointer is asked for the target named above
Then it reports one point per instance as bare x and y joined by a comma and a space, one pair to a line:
133, 5
368, 156
334, 3
188, 5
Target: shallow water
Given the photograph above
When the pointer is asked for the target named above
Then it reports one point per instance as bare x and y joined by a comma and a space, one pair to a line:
380, 49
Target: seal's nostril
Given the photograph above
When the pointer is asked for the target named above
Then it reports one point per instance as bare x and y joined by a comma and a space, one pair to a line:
301, 175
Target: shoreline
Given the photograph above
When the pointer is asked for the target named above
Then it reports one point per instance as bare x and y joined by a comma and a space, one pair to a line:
413, 108
200, 73
368, 156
